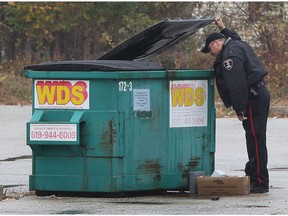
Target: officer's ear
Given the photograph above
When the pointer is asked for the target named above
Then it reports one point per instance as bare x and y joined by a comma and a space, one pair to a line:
219, 42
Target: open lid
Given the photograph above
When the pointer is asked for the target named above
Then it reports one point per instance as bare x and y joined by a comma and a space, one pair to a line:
155, 39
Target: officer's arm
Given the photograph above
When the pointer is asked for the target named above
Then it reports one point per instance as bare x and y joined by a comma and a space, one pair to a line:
235, 78
225, 31
230, 33
222, 90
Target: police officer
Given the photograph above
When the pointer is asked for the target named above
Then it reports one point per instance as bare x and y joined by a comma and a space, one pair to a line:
239, 78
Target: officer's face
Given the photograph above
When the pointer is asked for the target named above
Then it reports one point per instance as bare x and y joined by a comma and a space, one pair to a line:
215, 47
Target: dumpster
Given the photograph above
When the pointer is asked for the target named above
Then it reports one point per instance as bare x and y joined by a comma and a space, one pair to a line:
122, 123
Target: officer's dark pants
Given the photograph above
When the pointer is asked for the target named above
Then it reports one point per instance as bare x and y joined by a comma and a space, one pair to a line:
255, 128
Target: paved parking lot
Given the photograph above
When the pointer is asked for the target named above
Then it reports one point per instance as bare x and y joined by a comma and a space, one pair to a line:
16, 165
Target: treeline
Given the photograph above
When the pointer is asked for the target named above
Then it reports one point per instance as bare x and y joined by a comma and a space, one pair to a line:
33, 32
58, 31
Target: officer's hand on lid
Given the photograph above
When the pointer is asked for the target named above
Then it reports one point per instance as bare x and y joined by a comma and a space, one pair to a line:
219, 23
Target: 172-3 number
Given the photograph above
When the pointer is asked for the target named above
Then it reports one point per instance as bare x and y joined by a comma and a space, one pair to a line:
125, 86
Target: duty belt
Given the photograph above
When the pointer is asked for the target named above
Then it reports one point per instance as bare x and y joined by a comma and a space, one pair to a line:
253, 88
258, 85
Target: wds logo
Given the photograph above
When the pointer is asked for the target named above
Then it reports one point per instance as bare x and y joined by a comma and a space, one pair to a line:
61, 93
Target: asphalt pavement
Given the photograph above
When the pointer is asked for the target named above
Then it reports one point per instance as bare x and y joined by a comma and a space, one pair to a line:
230, 157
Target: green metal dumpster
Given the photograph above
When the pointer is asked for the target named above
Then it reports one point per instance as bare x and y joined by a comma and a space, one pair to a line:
116, 125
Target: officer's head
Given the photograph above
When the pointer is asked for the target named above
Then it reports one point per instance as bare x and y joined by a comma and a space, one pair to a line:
213, 44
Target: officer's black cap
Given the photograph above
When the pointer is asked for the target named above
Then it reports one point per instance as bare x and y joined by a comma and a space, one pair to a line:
210, 38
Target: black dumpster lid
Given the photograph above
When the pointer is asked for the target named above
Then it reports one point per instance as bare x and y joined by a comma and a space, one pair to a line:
94, 65
155, 39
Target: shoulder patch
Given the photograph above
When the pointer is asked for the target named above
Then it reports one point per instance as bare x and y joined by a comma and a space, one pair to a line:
228, 64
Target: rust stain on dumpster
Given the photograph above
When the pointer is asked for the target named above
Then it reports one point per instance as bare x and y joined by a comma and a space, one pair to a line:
194, 162
152, 166
109, 135
190, 166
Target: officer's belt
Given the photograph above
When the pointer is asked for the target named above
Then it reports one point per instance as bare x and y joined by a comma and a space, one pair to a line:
257, 85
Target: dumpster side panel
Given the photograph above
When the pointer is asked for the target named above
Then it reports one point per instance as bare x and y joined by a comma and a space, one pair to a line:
191, 148
158, 156
144, 161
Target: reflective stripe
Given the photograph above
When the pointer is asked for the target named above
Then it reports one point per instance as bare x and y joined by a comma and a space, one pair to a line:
256, 143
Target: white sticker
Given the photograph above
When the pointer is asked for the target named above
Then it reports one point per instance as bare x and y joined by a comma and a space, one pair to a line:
53, 132
188, 103
141, 100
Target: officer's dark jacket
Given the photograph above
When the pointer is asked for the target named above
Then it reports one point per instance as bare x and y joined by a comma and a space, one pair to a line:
236, 69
